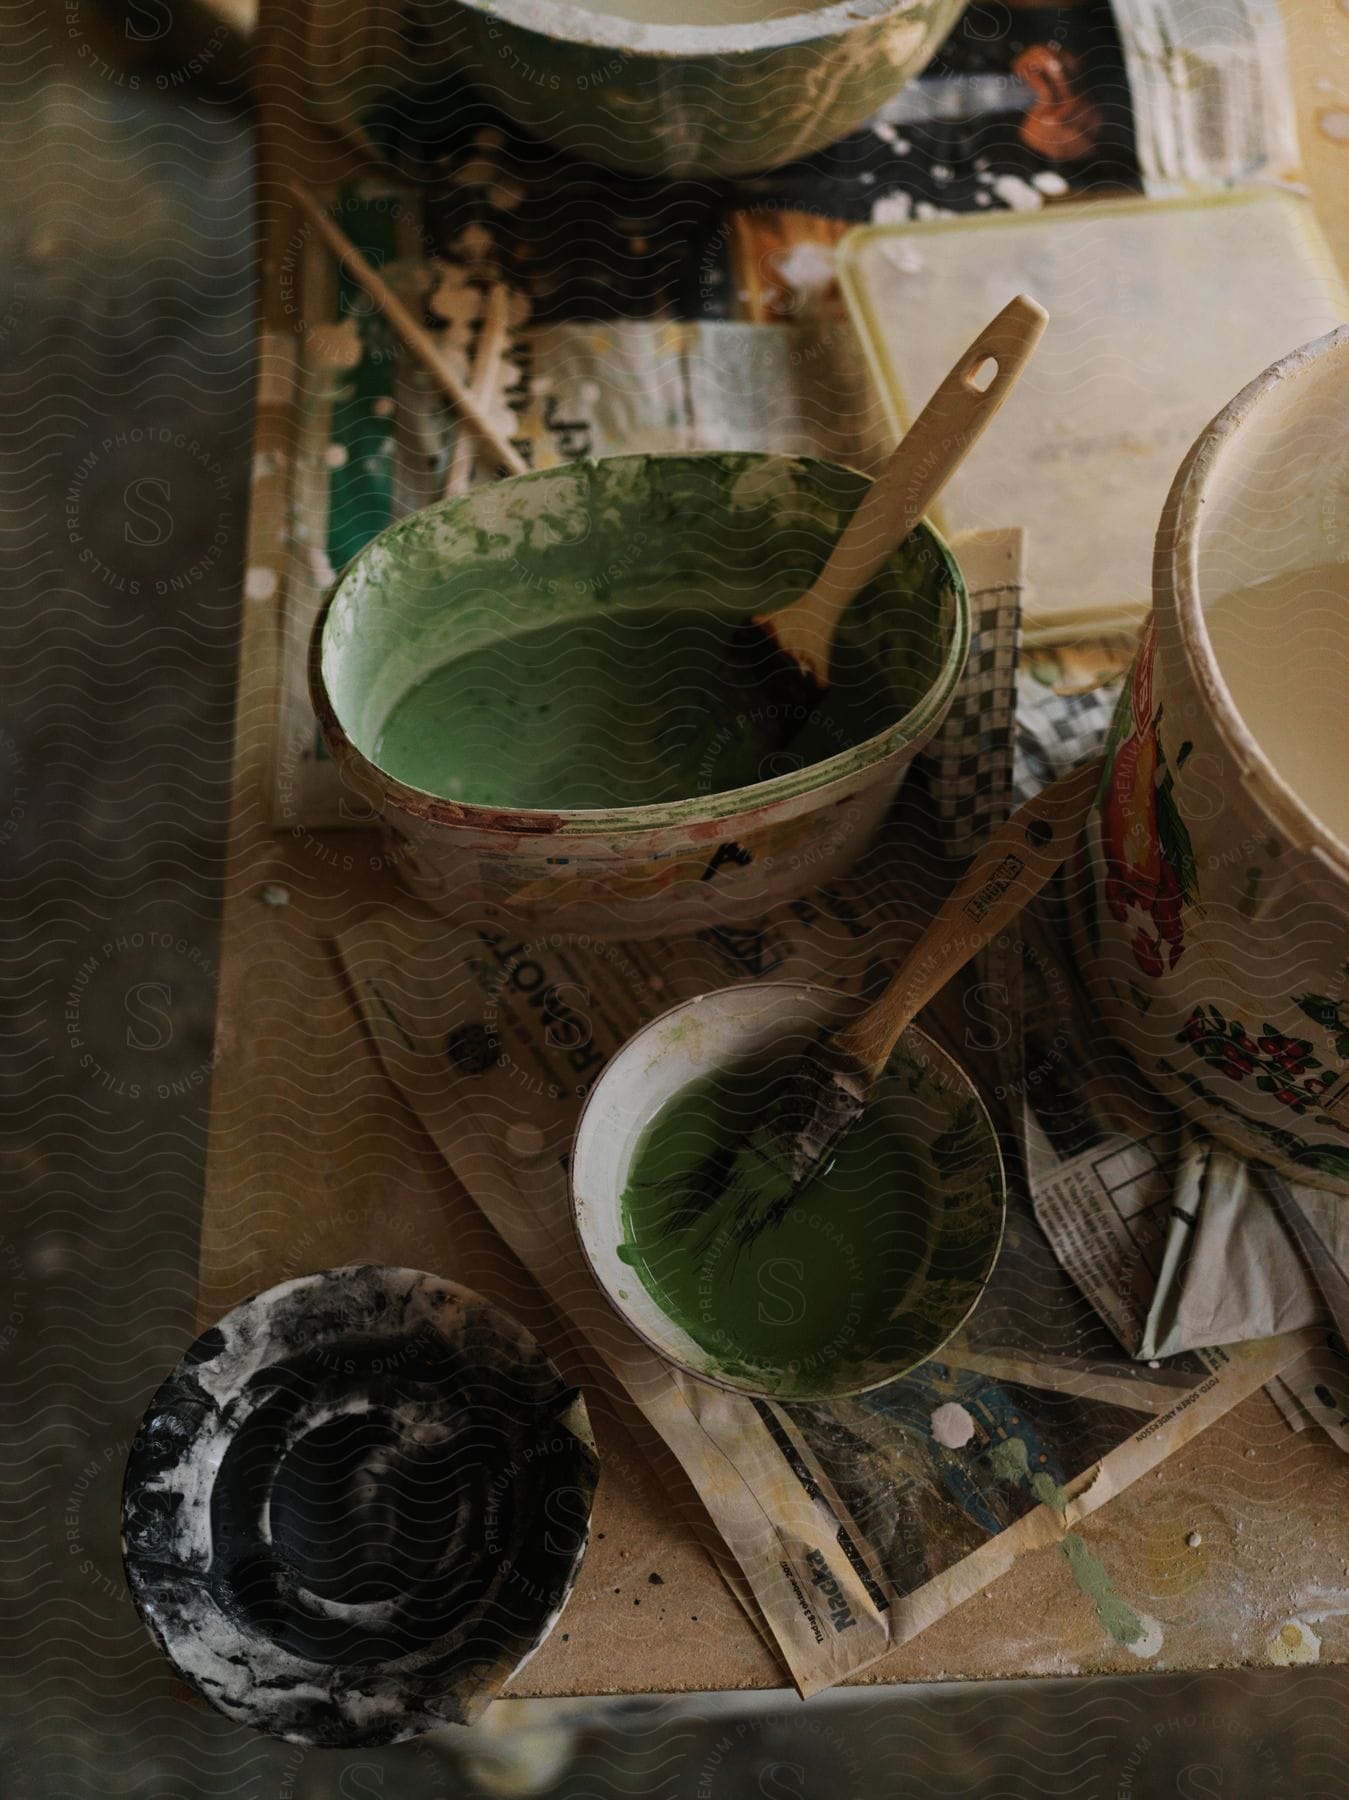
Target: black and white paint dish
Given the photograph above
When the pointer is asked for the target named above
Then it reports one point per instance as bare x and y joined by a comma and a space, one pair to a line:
356, 1505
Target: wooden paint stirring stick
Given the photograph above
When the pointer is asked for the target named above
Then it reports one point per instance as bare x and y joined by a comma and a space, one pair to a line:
414, 336
486, 374
930, 452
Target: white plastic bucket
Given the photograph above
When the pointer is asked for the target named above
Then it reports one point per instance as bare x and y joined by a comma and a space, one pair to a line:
1216, 939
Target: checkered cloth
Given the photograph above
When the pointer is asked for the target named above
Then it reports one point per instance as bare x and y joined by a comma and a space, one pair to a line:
966, 763
1055, 731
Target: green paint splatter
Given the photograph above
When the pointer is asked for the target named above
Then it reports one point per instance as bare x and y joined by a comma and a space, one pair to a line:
1090, 1574
1010, 1461
1048, 1492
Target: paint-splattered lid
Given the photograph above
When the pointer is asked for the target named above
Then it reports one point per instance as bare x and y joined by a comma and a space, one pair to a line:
334, 1512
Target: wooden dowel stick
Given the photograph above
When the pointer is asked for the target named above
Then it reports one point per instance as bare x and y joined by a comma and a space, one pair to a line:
417, 339
486, 370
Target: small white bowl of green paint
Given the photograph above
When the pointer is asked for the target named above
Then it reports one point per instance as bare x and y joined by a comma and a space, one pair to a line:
531, 684
884, 1252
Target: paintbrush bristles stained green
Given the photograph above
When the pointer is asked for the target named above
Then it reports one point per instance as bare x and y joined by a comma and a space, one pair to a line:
764, 1271
754, 1176
827, 1095
825, 1092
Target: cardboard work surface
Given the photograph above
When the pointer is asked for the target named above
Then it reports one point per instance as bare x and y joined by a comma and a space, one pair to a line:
315, 1160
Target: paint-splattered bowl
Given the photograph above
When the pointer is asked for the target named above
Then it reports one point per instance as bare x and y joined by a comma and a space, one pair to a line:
677, 99
738, 532
356, 1505
958, 1217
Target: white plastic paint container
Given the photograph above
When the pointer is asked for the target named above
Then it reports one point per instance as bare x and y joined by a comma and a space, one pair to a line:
564, 543
1216, 934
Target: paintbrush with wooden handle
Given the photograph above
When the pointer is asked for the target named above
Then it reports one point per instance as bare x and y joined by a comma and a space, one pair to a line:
792, 648
828, 1089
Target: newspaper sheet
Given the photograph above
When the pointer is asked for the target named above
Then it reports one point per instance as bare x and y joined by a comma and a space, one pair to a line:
1211, 98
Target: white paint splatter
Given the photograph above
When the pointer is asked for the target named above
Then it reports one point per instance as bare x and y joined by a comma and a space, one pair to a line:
1294, 1643
1017, 194
891, 209
1194, 1540
1333, 122
1049, 181
809, 268
952, 1426
1152, 1639
259, 583
324, 572
335, 456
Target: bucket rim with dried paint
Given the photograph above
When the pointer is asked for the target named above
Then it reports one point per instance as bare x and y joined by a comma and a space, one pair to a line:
1176, 589
910, 730
559, 21
802, 1004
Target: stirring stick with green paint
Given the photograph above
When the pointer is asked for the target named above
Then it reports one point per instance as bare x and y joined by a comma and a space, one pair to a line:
931, 450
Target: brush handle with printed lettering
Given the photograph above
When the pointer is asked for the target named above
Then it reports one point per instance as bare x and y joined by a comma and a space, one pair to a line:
1005, 876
